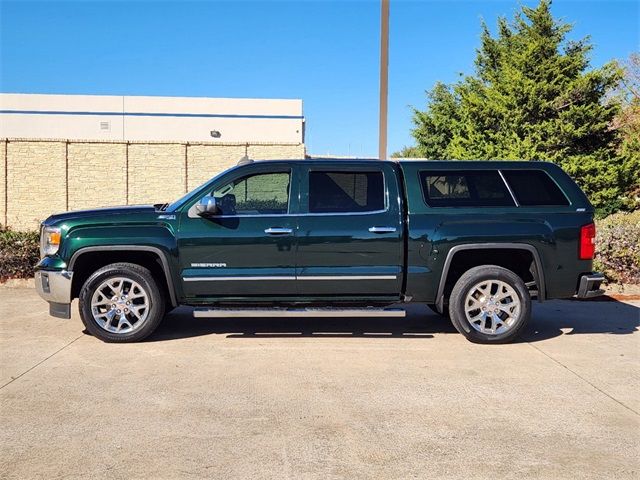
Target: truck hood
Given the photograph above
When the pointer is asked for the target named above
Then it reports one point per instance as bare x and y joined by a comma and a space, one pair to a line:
127, 211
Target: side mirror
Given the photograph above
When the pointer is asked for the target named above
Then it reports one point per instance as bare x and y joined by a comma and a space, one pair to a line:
208, 207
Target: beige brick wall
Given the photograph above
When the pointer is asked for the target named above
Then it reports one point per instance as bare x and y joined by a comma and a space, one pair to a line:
276, 152
206, 161
156, 173
36, 182
97, 175
3, 179
36, 174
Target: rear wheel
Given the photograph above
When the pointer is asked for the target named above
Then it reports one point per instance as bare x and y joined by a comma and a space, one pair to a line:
490, 304
121, 302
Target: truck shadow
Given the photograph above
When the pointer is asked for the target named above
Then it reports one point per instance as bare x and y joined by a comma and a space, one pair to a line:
567, 317
181, 324
549, 320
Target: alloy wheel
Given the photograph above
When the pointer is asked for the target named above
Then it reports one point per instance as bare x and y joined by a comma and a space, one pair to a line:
120, 305
492, 307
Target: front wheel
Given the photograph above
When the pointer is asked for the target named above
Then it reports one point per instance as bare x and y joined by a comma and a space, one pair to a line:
121, 302
490, 304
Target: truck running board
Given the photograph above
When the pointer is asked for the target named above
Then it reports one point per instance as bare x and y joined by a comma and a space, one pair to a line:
297, 312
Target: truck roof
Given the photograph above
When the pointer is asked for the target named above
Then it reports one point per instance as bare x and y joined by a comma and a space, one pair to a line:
432, 164
410, 166
483, 164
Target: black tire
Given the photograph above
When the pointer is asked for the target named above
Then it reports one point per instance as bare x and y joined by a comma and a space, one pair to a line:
135, 273
463, 287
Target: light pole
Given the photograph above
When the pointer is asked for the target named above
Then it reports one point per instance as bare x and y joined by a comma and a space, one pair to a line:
384, 78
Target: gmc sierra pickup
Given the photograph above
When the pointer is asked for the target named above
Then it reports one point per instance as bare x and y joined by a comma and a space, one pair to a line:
476, 241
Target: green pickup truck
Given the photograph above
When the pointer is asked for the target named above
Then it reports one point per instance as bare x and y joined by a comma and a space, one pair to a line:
476, 241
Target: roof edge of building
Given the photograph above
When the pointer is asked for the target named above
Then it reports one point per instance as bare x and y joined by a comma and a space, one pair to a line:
144, 142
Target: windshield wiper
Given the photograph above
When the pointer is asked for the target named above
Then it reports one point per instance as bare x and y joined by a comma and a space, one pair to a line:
161, 206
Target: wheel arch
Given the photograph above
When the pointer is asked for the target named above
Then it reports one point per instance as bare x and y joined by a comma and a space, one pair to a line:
156, 252
538, 272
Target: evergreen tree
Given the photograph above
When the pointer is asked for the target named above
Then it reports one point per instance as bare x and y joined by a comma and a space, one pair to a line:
627, 123
533, 97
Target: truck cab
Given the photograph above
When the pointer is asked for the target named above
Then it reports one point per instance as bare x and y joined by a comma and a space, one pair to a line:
330, 237
284, 231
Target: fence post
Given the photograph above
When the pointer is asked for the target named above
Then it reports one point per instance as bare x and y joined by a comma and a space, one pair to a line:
126, 174
186, 168
6, 181
66, 174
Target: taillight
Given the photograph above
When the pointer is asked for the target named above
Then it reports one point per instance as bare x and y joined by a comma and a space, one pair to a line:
587, 242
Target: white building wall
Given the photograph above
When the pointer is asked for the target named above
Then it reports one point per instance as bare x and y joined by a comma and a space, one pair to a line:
183, 119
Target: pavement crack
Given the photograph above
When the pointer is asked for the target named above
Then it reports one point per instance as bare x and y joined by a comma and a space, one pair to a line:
584, 379
13, 379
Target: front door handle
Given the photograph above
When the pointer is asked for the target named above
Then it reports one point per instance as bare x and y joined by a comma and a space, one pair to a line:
278, 231
382, 229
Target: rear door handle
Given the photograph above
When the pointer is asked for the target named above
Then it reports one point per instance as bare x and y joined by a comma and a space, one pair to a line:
278, 231
382, 229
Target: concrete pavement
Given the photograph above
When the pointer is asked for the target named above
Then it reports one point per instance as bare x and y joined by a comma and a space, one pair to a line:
321, 398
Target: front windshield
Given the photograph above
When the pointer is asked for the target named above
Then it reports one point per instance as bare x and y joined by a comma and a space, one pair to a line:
176, 204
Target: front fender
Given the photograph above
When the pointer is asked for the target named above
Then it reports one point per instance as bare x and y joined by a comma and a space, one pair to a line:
157, 236
151, 238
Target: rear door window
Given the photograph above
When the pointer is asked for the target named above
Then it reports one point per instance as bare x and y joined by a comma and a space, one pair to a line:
344, 192
534, 188
458, 188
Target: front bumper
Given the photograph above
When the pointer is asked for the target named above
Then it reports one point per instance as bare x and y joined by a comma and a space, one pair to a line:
589, 285
55, 288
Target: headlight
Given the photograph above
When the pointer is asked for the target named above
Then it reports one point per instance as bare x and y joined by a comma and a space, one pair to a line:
49, 241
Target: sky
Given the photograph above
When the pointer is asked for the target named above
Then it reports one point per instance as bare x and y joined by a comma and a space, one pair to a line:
324, 52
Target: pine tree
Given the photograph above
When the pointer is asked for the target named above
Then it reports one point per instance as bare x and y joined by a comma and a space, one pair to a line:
533, 97
627, 123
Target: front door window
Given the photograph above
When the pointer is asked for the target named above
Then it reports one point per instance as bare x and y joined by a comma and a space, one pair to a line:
259, 194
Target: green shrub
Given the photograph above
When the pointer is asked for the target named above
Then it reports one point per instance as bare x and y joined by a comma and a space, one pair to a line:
618, 247
19, 253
